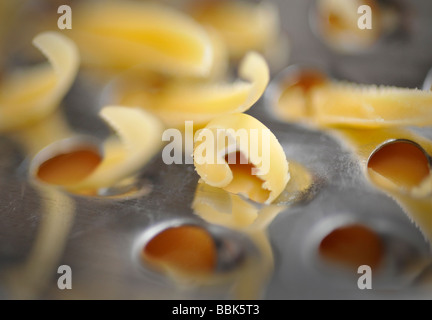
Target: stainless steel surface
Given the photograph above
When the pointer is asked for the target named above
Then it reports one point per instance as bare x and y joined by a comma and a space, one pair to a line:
102, 234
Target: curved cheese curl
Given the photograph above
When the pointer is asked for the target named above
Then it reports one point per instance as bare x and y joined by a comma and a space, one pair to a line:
260, 171
139, 139
31, 94
353, 105
176, 102
124, 34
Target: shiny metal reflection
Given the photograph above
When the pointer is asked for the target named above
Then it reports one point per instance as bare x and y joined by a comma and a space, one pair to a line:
427, 84
393, 141
59, 147
405, 256
232, 248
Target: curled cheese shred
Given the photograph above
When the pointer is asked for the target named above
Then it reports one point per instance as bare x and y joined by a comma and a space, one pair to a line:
368, 106
138, 141
244, 26
33, 93
124, 34
176, 102
306, 96
264, 174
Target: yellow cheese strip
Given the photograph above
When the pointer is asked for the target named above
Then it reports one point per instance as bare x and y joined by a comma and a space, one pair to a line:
220, 64
33, 93
270, 176
368, 106
416, 202
417, 208
244, 26
124, 34
355, 110
139, 140
305, 95
178, 101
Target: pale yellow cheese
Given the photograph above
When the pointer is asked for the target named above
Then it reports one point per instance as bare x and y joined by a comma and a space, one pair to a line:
31, 94
139, 139
125, 34
262, 186
365, 117
343, 104
369, 106
178, 101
